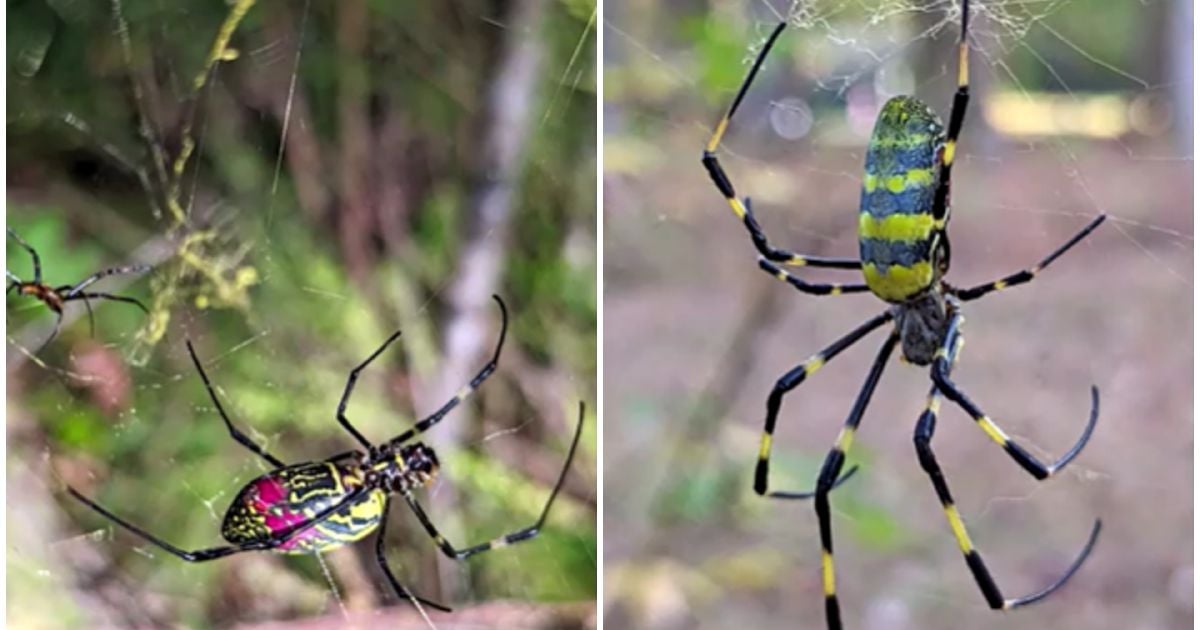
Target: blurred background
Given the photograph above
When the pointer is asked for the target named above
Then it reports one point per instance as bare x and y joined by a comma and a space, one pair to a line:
1076, 110
305, 178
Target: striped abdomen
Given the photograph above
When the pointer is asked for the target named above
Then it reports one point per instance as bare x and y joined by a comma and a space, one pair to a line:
897, 229
289, 496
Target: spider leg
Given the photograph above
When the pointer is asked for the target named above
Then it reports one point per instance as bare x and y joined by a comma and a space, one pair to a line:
941, 379
520, 535
88, 281
212, 553
83, 295
743, 211
61, 291
350, 383
14, 283
765, 263
827, 480
401, 590
1025, 275
958, 112
790, 381
233, 431
426, 423
58, 317
37, 262
87, 304
808, 287
922, 438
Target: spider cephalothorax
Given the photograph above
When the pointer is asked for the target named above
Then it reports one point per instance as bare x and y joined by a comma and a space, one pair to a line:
316, 506
903, 254
414, 466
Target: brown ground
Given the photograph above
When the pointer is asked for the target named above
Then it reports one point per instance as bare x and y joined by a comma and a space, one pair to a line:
687, 542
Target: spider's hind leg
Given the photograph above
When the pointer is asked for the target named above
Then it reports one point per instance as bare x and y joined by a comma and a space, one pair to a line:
743, 211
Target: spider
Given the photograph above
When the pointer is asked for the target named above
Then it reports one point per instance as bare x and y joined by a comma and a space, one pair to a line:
312, 507
903, 254
56, 297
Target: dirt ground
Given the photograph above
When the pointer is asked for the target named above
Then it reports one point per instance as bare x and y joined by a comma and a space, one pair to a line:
695, 336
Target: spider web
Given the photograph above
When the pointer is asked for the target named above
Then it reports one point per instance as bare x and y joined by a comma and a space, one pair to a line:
1075, 111
222, 165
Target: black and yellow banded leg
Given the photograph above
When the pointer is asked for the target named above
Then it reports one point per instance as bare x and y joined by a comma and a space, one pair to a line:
941, 379
520, 535
484, 372
958, 113
783, 256
789, 381
455, 553
922, 439
1025, 275
401, 590
829, 475
743, 212
810, 287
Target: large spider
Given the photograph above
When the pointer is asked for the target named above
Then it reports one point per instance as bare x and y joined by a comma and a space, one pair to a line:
903, 255
56, 297
317, 506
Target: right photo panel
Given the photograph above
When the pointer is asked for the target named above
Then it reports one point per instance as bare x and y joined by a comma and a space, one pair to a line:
787, 325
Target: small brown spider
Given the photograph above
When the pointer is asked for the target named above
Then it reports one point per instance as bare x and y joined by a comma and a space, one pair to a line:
56, 297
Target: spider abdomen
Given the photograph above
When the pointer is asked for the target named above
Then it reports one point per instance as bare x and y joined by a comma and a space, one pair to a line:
284, 498
897, 229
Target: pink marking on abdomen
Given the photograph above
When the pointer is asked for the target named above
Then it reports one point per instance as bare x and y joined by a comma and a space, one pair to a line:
268, 493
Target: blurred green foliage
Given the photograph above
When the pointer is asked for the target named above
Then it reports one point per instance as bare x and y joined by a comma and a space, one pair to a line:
321, 290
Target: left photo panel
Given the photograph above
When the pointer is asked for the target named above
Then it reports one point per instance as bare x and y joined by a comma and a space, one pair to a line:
301, 313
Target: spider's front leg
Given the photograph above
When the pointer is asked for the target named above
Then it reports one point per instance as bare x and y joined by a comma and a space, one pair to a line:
37, 262
770, 256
